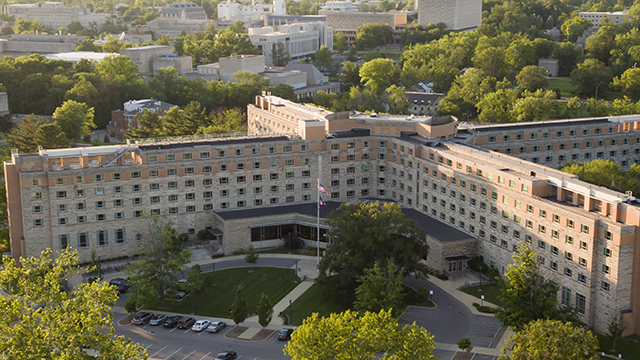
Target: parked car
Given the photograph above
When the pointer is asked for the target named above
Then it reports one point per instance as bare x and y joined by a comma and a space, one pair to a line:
158, 319
142, 318
285, 334
172, 321
186, 323
216, 326
119, 281
200, 325
121, 288
227, 355
180, 295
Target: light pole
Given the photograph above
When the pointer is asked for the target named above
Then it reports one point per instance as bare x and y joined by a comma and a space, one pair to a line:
290, 313
295, 277
597, 86
191, 295
289, 242
482, 298
480, 288
431, 295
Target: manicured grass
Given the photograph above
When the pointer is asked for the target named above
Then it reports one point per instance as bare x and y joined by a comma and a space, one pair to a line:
562, 83
312, 301
611, 95
629, 347
216, 300
411, 297
490, 292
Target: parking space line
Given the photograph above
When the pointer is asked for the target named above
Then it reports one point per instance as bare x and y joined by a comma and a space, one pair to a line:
146, 326
188, 355
147, 348
174, 329
187, 331
201, 332
172, 354
157, 352
207, 354
274, 340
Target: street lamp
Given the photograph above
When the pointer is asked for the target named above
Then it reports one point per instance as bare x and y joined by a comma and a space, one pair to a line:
295, 277
480, 288
482, 298
191, 295
597, 86
431, 295
289, 242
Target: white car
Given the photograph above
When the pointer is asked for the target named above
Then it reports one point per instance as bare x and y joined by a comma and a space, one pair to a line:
200, 325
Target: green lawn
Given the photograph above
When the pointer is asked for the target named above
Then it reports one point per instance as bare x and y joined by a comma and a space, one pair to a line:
562, 83
629, 347
490, 292
312, 301
216, 300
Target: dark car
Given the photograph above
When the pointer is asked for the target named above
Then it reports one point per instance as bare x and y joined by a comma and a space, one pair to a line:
227, 355
186, 323
285, 334
172, 321
119, 281
142, 318
121, 288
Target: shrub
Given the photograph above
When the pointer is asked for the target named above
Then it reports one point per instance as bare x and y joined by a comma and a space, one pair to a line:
204, 235
296, 243
477, 263
106, 139
485, 309
239, 251
183, 237
437, 273
215, 256
86, 139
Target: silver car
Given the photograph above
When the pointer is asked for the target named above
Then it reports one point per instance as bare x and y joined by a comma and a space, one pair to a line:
158, 319
216, 326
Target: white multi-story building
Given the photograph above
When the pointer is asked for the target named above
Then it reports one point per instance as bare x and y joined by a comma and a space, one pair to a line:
185, 11
231, 11
456, 14
300, 40
179, 18
596, 17
338, 6
55, 15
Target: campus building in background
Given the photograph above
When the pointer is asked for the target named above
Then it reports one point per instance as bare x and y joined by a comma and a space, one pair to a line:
459, 183
464, 15
55, 15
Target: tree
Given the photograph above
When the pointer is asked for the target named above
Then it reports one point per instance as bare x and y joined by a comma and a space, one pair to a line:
592, 74
378, 74
161, 258
264, 310
396, 99
233, 41
525, 294
50, 136
75, 28
568, 56
322, 58
532, 78
226, 121
550, 340
629, 83
379, 289
239, 307
464, 344
42, 318
195, 279
349, 336
284, 91
279, 54
339, 42
75, 119
603, 42
615, 330
364, 234
149, 125
27, 26
252, 256
27, 136
574, 27
370, 36
351, 75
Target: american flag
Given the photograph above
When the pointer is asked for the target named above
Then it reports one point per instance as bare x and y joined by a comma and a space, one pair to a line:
322, 189
320, 200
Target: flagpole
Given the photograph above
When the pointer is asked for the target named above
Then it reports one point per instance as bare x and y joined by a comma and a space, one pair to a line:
318, 218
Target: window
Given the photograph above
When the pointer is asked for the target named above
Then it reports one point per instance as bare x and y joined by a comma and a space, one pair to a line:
584, 229
206, 169
606, 269
224, 167
135, 175
207, 182
154, 186
581, 304
608, 235
568, 239
59, 195
582, 262
605, 286
83, 240
102, 237
607, 252
554, 250
582, 278
118, 216
62, 221
189, 183
137, 213
568, 256
117, 203
205, 155
224, 205
192, 208
151, 159
289, 175
568, 272
136, 188
584, 245
190, 170
553, 265
541, 244
137, 201
241, 179
154, 199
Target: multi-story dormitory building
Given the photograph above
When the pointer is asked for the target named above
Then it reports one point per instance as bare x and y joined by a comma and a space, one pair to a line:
257, 189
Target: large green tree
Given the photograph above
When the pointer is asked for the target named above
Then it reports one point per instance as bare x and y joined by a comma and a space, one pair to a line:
75, 119
590, 76
322, 58
370, 36
378, 75
526, 295
161, 258
551, 340
575, 27
35, 131
532, 78
629, 83
28, 26
239, 307
364, 234
279, 54
368, 336
380, 289
264, 310
42, 318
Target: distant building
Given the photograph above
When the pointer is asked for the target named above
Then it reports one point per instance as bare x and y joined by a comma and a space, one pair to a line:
178, 19
55, 15
423, 103
279, 20
75, 56
300, 40
22, 44
456, 14
4, 104
348, 22
338, 6
153, 57
122, 120
306, 79
596, 17
231, 11
550, 65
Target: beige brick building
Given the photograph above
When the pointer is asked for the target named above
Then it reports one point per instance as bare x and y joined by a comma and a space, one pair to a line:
257, 189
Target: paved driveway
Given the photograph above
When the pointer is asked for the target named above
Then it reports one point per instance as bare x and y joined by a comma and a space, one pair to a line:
450, 320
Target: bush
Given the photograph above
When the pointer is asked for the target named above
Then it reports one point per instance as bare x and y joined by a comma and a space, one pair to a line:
310, 252
296, 243
216, 256
183, 237
437, 274
86, 139
477, 263
493, 273
106, 139
239, 251
485, 309
205, 235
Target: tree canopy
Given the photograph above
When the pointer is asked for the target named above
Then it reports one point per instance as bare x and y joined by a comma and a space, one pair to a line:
551, 340
43, 318
364, 234
608, 174
349, 336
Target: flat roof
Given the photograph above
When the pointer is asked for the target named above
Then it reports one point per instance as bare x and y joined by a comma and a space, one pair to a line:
84, 151
194, 143
539, 124
75, 56
434, 228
